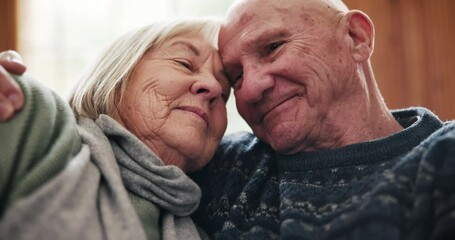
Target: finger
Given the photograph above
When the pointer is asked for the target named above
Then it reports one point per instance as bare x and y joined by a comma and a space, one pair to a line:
13, 67
12, 62
6, 108
11, 55
10, 90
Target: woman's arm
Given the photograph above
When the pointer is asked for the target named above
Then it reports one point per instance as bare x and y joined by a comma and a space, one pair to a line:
37, 144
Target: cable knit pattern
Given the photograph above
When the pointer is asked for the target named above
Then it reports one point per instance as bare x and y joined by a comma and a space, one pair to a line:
398, 187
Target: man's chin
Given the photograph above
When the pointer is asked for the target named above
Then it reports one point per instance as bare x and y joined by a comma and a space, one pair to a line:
281, 142
286, 148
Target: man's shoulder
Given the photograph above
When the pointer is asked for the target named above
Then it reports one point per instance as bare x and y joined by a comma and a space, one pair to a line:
439, 150
238, 139
445, 134
450, 125
240, 148
241, 143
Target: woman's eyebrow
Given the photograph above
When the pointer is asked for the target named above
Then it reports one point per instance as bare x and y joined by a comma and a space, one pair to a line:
188, 45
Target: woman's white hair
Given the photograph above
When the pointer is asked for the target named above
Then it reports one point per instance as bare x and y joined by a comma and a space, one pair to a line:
102, 86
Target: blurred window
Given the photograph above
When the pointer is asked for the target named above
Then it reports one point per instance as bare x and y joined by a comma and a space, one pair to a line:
58, 38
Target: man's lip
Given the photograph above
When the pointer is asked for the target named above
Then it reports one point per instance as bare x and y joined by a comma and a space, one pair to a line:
262, 117
196, 110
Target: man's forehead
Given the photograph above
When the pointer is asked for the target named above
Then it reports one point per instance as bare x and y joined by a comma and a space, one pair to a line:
252, 16
242, 23
245, 12
248, 7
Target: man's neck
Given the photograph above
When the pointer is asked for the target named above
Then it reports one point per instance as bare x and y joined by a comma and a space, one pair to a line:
363, 119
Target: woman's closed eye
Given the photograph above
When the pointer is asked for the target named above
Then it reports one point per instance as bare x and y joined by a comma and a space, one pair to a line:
185, 63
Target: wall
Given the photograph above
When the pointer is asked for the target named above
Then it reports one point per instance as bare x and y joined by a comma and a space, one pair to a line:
414, 57
8, 25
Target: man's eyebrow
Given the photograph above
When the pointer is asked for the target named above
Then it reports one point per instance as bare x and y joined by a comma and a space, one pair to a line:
267, 35
190, 46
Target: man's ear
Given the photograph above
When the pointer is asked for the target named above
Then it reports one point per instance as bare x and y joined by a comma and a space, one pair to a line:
361, 32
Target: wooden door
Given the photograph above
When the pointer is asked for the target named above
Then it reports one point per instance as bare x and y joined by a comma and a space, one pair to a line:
414, 57
8, 34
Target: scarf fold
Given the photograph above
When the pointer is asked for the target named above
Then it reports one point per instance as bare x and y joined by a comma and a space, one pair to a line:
89, 198
145, 175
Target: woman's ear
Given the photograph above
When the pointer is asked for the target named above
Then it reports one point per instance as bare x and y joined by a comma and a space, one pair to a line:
361, 33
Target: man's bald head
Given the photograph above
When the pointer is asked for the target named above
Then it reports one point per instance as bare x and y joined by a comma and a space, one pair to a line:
251, 5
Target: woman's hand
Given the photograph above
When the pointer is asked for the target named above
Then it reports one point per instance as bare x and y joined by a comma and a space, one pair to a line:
11, 95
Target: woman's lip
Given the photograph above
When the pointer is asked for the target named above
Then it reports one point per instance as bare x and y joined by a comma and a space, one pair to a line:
199, 111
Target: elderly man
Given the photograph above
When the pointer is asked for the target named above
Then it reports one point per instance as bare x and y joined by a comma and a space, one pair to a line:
328, 159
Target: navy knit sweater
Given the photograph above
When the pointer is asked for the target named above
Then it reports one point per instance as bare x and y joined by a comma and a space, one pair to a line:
398, 187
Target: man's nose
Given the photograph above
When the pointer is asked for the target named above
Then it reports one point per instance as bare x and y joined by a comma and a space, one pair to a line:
255, 83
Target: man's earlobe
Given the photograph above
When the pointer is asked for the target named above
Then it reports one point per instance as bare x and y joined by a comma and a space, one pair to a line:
361, 31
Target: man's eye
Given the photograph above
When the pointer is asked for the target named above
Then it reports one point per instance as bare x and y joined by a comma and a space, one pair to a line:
235, 78
238, 76
270, 48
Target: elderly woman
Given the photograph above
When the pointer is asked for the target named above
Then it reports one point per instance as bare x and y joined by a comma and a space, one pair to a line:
149, 110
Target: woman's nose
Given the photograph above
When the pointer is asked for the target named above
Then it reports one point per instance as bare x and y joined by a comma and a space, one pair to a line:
208, 87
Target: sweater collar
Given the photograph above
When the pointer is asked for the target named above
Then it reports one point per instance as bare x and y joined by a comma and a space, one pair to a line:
375, 151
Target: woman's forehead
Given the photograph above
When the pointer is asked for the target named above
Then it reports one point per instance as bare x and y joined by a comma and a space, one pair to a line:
192, 41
